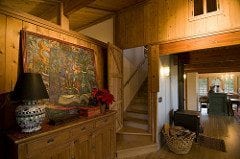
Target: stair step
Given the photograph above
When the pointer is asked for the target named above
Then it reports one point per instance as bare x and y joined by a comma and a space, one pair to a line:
142, 94
134, 145
139, 100
137, 151
127, 130
129, 141
138, 106
132, 110
136, 115
136, 123
142, 121
143, 89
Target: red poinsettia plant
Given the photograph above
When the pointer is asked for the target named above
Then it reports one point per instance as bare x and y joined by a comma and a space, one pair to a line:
102, 96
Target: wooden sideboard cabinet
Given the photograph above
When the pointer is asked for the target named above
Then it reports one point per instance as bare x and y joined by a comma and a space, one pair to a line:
82, 138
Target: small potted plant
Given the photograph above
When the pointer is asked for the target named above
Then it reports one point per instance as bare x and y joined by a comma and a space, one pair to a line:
101, 97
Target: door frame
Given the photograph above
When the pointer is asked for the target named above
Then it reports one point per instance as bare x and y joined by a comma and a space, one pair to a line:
228, 38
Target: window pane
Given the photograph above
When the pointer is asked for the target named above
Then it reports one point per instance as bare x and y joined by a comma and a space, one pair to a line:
198, 7
229, 86
216, 82
211, 5
202, 86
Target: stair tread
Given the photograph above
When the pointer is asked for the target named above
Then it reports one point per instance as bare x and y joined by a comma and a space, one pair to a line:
141, 121
140, 105
128, 129
132, 141
137, 111
140, 97
136, 115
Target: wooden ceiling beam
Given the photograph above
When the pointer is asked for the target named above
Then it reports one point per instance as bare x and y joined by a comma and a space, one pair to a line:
93, 23
229, 38
51, 13
71, 6
101, 9
214, 70
207, 56
213, 64
206, 68
46, 1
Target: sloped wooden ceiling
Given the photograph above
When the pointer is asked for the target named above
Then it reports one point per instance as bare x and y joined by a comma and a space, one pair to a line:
81, 13
45, 9
98, 11
217, 60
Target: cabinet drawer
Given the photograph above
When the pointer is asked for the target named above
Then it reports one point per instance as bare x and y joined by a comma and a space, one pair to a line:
104, 121
48, 141
83, 128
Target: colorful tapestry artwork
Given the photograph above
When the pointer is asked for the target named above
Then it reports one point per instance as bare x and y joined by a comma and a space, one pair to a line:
68, 70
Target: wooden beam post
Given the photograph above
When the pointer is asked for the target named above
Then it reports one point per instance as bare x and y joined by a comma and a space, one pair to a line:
63, 20
228, 38
153, 88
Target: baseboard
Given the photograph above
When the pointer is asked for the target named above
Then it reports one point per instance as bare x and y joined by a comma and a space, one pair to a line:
137, 151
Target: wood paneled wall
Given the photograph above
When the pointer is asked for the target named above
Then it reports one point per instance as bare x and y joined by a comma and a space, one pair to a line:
163, 20
12, 22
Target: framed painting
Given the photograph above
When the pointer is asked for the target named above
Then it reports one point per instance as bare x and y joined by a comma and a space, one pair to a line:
68, 70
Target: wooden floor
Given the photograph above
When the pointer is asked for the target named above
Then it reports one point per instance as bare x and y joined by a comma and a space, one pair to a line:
222, 127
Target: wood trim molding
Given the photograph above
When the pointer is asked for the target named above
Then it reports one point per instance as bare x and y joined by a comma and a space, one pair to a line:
217, 39
48, 25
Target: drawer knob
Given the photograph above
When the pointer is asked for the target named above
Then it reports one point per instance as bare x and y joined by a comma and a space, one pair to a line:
83, 128
50, 140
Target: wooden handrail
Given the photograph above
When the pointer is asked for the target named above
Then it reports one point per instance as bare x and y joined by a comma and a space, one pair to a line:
137, 69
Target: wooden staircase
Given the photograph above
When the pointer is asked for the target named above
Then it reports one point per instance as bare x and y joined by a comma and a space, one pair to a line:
136, 115
134, 138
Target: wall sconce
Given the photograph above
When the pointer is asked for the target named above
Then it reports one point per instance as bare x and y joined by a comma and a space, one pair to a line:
164, 71
184, 76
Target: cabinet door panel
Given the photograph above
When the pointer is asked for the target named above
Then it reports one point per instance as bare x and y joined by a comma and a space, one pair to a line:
61, 152
105, 147
83, 147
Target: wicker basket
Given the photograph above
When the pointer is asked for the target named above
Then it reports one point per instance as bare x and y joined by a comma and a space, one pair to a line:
178, 144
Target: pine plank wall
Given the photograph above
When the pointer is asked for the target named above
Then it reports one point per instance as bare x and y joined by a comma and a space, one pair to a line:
165, 20
12, 22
